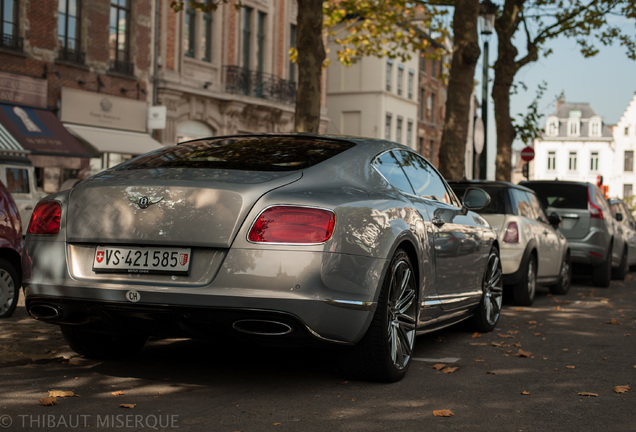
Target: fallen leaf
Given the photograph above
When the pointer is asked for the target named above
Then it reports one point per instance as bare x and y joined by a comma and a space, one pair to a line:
476, 335
519, 310
622, 389
449, 370
532, 322
275, 424
505, 336
118, 393
127, 405
525, 393
522, 353
570, 367
614, 322
438, 366
479, 360
490, 373
48, 401
61, 393
513, 332
587, 394
443, 413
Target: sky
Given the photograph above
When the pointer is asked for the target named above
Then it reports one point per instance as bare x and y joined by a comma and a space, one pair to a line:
607, 82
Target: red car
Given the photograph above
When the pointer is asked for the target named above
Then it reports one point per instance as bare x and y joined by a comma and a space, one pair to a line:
10, 251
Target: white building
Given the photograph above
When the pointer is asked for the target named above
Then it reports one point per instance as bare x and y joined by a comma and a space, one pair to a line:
375, 97
624, 177
576, 146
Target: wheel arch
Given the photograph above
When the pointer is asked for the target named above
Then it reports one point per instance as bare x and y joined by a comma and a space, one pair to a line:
14, 259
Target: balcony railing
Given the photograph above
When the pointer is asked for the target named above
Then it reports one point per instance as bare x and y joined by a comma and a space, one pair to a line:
261, 85
121, 66
72, 56
11, 42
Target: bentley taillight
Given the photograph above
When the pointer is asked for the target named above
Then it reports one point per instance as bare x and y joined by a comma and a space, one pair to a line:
292, 224
45, 218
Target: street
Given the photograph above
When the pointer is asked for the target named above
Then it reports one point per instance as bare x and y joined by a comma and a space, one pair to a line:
568, 363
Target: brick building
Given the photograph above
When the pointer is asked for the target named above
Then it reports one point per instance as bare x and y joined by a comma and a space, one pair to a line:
80, 70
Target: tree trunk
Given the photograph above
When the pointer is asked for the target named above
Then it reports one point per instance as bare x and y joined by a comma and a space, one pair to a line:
505, 71
460, 89
311, 55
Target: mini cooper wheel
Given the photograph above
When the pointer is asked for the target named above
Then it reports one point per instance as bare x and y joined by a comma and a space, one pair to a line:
9, 289
523, 292
565, 278
99, 345
384, 353
487, 314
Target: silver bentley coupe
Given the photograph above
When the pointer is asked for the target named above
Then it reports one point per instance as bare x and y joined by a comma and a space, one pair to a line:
271, 238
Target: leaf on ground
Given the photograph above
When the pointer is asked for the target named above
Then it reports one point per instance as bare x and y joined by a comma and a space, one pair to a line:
476, 335
61, 394
443, 413
504, 336
450, 369
490, 373
525, 393
522, 353
532, 322
118, 393
498, 344
588, 394
622, 388
519, 310
570, 367
513, 332
127, 405
48, 401
614, 322
438, 366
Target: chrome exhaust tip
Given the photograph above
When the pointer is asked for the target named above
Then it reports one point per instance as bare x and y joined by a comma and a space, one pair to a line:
262, 327
45, 312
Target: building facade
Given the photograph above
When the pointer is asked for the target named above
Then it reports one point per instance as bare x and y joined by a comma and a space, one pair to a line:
71, 71
576, 145
623, 177
227, 71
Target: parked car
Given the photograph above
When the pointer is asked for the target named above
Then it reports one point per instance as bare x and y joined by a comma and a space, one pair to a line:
10, 250
18, 175
626, 226
273, 237
533, 249
588, 225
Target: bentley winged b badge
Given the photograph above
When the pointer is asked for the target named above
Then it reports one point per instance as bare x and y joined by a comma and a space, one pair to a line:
144, 201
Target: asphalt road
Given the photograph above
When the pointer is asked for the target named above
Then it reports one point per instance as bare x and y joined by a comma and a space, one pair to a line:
566, 364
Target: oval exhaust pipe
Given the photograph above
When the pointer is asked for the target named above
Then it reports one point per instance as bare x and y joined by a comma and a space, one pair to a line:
263, 327
45, 312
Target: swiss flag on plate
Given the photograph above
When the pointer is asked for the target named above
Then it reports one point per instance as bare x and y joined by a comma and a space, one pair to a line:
99, 256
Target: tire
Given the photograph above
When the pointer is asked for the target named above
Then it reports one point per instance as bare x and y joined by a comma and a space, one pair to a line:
602, 273
565, 278
102, 345
9, 289
524, 291
621, 271
487, 314
384, 353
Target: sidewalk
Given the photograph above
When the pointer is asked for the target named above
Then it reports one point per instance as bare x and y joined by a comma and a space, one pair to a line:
24, 340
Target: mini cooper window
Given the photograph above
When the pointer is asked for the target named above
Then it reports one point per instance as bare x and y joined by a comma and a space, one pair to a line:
259, 153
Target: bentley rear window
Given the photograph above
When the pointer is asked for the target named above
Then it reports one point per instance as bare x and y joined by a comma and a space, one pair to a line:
258, 153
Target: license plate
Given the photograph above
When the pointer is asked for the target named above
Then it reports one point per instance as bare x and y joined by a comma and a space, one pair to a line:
123, 259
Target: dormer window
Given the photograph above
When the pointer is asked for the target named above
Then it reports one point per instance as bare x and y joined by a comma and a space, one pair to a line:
595, 127
574, 123
553, 126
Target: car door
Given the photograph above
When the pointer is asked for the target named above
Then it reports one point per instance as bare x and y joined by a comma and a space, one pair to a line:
629, 230
459, 273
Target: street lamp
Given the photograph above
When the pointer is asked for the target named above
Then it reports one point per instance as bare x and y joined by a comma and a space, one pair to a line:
487, 15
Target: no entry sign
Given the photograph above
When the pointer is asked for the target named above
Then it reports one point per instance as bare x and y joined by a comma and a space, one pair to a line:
527, 154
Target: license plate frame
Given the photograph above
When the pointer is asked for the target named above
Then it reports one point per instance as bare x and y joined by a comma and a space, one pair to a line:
142, 260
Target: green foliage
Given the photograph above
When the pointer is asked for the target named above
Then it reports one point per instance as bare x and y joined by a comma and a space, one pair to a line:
527, 127
394, 29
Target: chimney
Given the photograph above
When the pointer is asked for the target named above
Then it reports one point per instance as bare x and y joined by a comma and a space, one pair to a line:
560, 100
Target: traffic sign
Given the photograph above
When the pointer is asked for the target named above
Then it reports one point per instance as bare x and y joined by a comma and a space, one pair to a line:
527, 154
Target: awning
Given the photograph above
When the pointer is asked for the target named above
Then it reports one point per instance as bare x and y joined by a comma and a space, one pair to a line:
8, 143
40, 132
115, 141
